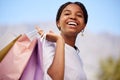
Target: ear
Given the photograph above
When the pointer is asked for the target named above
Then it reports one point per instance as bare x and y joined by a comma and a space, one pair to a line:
58, 25
84, 25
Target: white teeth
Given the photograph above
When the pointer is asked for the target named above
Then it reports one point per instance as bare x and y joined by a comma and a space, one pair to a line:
72, 23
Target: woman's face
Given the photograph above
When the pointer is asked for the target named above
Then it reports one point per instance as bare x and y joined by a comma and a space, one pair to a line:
71, 21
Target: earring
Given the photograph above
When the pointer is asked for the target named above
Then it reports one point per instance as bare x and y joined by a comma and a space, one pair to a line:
82, 32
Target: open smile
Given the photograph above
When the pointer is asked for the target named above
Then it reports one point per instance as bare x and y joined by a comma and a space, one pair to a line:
72, 23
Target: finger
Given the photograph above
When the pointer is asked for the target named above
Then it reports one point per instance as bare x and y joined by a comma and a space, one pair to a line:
40, 31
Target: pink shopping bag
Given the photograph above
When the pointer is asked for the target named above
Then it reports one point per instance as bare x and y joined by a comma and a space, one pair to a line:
13, 64
5, 50
34, 68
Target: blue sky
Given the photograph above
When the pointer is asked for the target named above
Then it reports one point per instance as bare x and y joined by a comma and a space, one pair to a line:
103, 14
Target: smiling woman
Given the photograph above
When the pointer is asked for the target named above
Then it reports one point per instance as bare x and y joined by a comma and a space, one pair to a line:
71, 19
103, 18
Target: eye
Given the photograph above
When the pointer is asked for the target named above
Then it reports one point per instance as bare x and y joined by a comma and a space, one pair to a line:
66, 13
79, 15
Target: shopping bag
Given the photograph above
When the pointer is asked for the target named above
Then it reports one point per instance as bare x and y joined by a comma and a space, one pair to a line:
5, 50
34, 68
13, 64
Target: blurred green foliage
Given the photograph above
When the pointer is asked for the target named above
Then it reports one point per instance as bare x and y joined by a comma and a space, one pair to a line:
109, 69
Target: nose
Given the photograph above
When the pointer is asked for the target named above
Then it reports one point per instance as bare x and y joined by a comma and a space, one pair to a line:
72, 16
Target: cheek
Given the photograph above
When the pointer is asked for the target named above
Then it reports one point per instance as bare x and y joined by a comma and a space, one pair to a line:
81, 20
82, 23
82, 26
62, 22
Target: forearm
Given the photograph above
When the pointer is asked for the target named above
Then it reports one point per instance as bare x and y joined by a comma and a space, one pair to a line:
56, 70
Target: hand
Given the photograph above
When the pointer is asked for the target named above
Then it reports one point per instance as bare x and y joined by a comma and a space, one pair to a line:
50, 36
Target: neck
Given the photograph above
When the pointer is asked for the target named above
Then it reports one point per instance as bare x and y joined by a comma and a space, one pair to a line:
70, 40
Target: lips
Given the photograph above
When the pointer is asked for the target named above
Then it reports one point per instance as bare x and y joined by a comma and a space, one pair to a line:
72, 23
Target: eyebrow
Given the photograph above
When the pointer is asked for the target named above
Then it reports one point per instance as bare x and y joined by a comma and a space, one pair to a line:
70, 11
66, 10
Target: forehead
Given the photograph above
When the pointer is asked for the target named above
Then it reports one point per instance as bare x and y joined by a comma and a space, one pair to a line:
73, 7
